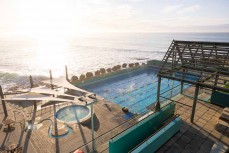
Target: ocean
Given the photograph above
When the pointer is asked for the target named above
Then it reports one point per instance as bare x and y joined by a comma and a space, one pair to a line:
24, 56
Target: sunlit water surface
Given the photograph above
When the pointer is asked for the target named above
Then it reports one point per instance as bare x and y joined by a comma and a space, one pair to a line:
25, 56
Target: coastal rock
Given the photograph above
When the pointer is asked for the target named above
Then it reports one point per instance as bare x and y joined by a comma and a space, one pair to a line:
36, 85
114, 68
131, 65
89, 75
102, 70
109, 70
124, 65
136, 64
118, 67
74, 78
82, 77
14, 88
97, 72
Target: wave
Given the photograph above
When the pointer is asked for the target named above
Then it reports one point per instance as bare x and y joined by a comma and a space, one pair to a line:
13, 81
140, 50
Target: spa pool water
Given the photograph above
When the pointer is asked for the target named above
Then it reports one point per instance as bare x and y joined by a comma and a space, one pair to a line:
73, 113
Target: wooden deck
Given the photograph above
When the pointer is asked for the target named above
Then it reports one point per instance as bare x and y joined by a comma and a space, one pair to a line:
107, 116
193, 137
17, 134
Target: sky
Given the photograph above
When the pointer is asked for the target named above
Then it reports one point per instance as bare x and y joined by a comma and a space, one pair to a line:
69, 17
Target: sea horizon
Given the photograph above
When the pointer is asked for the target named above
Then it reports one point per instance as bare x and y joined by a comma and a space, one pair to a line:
24, 56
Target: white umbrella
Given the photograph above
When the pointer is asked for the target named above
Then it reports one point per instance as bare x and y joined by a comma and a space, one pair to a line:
47, 91
63, 83
35, 97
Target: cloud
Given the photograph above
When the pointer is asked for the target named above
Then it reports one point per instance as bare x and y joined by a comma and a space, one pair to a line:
135, 0
180, 9
171, 8
188, 9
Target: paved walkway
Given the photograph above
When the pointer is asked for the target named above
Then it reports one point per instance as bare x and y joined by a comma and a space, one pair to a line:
197, 137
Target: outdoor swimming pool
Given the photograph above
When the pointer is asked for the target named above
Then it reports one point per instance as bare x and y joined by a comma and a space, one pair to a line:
135, 90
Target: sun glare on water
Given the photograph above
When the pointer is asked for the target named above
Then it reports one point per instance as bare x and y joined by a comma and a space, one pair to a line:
50, 53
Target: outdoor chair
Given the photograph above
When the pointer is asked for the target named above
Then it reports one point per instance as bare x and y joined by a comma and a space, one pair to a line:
8, 123
223, 121
219, 147
224, 117
19, 149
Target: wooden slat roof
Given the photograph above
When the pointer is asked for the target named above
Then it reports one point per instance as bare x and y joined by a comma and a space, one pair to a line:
209, 61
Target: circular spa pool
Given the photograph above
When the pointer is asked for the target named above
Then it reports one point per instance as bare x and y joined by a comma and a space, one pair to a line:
73, 114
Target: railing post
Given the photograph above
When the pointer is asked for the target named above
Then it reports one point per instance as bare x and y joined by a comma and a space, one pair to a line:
194, 102
3, 101
92, 128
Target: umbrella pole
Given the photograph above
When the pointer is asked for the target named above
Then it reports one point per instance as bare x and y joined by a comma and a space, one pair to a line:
3, 102
50, 74
31, 81
66, 72
35, 105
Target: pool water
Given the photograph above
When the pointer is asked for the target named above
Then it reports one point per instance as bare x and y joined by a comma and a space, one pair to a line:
135, 90
73, 113
69, 130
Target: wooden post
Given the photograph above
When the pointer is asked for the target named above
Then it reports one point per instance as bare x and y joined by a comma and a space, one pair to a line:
181, 87
66, 72
3, 101
158, 88
215, 83
216, 79
194, 103
171, 91
31, 81
35, 105
182, 83
157, 106
50, 74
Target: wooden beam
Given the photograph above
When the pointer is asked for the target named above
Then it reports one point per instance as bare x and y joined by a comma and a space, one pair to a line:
209, 77
194, 83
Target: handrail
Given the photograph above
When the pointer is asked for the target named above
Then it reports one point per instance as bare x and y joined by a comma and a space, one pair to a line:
116, 128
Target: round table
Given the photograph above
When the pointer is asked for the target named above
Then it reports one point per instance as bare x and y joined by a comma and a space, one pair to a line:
8, 122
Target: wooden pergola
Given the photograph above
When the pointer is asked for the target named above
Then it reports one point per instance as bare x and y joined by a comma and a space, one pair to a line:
206, 62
